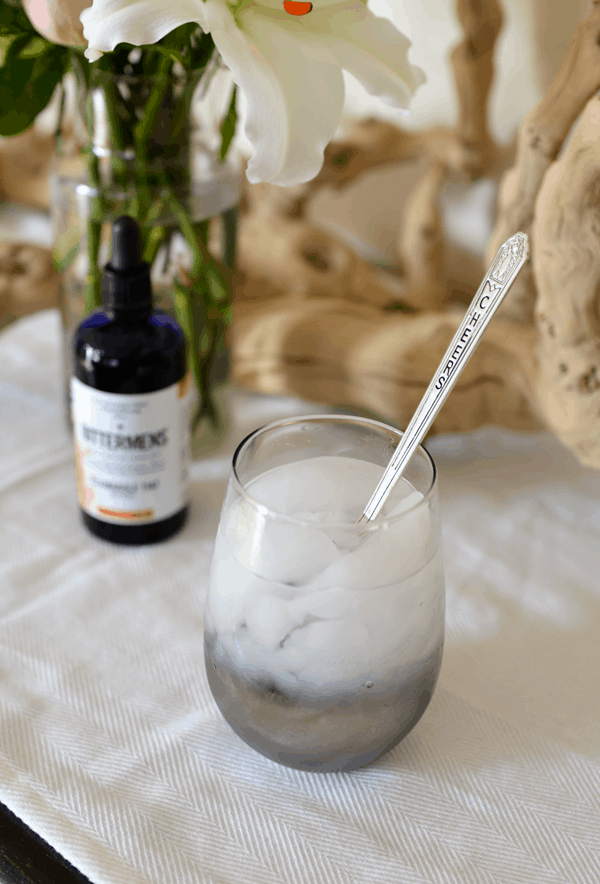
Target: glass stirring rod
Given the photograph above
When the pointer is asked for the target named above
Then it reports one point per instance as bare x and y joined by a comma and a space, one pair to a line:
509, 260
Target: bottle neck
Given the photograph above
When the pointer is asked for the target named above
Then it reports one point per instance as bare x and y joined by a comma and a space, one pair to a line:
127, 290
129, 314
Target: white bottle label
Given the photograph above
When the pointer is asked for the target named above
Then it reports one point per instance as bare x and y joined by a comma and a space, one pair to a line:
132, 452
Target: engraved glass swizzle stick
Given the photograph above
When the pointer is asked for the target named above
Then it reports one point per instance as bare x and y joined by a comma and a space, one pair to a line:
509, 260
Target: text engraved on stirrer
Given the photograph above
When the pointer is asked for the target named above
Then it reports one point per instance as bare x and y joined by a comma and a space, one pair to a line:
507, 259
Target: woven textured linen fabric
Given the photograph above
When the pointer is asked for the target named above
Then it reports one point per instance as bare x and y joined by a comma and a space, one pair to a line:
112, 749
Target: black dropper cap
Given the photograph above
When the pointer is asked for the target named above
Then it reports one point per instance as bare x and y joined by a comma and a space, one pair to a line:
126, 282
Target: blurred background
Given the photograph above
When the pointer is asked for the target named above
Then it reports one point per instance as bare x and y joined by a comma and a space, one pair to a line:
529, 51
367, 213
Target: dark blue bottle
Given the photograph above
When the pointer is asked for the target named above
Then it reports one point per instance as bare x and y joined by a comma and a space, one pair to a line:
130, 406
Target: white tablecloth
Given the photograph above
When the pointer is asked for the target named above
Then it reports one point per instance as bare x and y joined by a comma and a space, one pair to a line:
112, 749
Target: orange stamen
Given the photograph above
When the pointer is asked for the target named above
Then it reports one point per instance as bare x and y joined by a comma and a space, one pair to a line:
297, 7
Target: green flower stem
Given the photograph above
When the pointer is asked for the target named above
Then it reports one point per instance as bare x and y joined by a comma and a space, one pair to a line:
184, 298
202, 231
61, 114
203, 297
81, 69
143, 129
169, 53
155, 238
153, 234
189, 233
93, 287
210, 335
203, 263
195, 307
156, 209
228, 126
118, 161
230, 224
208, 406
185, 316
142, 133
93, 282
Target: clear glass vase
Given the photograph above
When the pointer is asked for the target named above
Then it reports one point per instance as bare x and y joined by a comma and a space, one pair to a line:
149, 147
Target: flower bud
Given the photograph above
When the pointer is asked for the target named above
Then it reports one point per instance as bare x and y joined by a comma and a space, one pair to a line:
58, 20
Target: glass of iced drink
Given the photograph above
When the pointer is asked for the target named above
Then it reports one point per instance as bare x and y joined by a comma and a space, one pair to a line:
323, 637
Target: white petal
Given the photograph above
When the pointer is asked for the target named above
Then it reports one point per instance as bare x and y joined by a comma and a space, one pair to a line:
139, 22
370, 48
294, 90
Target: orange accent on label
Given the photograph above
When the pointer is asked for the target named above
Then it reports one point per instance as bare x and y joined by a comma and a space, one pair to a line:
85, 494
126, 514
184, 385
296, 7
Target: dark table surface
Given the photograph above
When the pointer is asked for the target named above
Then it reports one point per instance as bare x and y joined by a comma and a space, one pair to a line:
26, 859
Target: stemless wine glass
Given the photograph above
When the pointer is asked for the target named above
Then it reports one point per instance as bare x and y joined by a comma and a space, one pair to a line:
323, 637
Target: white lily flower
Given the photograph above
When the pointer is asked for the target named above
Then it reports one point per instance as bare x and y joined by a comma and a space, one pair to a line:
286, 56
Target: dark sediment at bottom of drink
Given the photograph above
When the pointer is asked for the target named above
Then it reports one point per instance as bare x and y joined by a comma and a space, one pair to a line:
333, 732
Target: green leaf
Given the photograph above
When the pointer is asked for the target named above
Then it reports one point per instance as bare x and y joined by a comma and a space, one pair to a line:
13, 20
36, 46
228, 126
27, 82
5, 42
